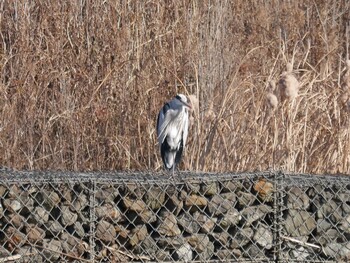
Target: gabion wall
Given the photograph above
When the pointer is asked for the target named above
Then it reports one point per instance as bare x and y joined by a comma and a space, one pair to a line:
145, 217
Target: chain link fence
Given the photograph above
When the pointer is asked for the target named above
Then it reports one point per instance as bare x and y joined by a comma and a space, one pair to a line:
148, 217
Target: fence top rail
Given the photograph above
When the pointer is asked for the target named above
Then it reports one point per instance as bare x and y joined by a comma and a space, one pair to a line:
147, 177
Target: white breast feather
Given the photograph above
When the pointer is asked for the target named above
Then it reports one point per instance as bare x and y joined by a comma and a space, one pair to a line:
174, 130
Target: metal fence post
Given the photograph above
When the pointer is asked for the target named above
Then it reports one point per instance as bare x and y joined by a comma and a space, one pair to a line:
92, 203
278, 215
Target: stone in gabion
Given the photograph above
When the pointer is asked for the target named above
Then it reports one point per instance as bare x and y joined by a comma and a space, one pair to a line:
331, 235
199, 242
136, 205
109, 211
184, 253
253, 251
54, 227
48, 198
121, 231
323, 225
105, 231
241, 237
331, 210
245, 198
12, 205
79, 229
206, 223
222, 238
73, 245
167, 224
15, 237
297, 199
345, 224
209, 188
3, 190
147, 246
263, 236
264, 189
15, 220
340, 251
155, 198
300, 253
106, 194
299, 223
254, 213
194, 202
34, 233
29, 253
68, 217
189, 224
231, 218
53, 249
41, 215
170, 243
218, 205
80, 202
138, 234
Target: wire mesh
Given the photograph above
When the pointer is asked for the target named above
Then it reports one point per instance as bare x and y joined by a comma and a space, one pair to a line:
148, 217
315, 219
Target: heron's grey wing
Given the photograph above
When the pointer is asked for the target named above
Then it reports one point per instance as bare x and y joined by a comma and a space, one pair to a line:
166, 115
160, 119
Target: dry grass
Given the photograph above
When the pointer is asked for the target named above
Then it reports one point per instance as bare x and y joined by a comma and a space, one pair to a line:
82, 82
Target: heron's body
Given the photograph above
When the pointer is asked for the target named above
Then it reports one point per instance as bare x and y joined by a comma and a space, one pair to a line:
172, 130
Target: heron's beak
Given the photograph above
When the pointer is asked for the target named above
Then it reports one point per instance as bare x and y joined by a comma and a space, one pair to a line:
188, 105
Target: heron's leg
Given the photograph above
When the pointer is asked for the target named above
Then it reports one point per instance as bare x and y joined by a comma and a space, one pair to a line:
171, 172
173, 169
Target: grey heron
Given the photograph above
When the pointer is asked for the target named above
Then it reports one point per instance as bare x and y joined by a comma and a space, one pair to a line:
172, 130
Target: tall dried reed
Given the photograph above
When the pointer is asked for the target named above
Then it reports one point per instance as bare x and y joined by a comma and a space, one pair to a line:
82, 81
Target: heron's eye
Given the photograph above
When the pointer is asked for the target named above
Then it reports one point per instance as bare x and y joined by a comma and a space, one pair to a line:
178, 97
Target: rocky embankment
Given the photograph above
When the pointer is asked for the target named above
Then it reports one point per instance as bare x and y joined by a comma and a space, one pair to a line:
188, 220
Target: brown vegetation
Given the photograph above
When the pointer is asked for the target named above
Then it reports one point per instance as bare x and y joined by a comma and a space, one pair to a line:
82, 82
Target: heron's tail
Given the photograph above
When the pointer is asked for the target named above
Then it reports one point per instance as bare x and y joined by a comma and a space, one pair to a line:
169, 159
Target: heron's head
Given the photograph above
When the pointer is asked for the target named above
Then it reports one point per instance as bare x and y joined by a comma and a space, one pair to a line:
184, 101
